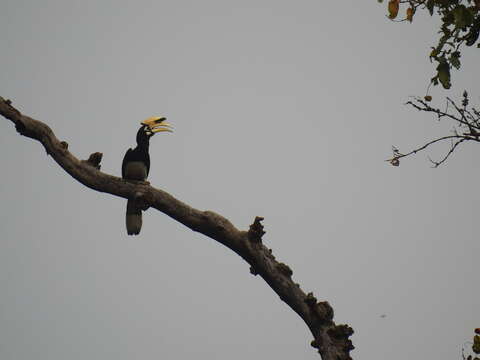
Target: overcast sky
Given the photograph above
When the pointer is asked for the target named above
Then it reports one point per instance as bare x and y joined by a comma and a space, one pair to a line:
281, 109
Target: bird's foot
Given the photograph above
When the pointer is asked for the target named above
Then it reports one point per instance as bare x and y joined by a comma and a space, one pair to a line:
139, 182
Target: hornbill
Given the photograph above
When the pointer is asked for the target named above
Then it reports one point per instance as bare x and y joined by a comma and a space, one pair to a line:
136, 165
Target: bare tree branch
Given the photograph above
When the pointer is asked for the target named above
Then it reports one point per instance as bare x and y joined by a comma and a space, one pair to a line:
331, 340
466, 128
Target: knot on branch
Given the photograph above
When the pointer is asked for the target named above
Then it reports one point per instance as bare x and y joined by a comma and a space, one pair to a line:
270, 254
340, 334
93, 160
284, 269
324, 311
340, 331
310, 300
256, 231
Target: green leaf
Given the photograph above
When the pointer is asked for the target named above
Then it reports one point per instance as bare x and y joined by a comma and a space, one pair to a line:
476, 344
463, 17
448, 19
455, 59
443, 73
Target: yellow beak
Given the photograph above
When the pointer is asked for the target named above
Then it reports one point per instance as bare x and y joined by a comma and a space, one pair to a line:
157, 124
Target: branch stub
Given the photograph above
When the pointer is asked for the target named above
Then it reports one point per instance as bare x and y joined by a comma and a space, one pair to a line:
256, 231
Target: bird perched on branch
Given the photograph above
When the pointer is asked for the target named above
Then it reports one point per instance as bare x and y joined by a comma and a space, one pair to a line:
136, 166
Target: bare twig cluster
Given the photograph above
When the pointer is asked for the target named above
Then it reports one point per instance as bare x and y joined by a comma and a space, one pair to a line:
331, 340
466, 127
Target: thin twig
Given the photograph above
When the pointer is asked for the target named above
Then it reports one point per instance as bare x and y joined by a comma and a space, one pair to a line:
465, 120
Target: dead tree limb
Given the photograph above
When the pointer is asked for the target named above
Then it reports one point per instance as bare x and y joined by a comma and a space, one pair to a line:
331, 340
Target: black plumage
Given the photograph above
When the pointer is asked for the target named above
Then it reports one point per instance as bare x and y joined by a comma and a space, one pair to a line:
139, 154
136, 166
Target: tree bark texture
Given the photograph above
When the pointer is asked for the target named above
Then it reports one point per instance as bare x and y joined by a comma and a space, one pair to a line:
331, 340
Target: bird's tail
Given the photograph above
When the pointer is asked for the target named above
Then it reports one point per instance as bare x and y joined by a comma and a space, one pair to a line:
133, 218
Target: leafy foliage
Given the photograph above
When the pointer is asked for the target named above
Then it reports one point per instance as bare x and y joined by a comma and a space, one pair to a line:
475, 347
460, 25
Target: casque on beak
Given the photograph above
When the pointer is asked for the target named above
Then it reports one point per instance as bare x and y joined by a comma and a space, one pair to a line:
157, 124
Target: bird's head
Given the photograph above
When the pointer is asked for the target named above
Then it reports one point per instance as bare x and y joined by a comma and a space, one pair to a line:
151, 126
155, 124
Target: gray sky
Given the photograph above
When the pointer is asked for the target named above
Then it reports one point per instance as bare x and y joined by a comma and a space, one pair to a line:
281, 109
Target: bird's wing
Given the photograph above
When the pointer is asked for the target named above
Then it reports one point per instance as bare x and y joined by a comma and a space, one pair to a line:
125, 160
